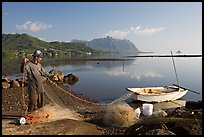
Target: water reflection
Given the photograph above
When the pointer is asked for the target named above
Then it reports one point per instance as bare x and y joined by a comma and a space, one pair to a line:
111, 65
136, 75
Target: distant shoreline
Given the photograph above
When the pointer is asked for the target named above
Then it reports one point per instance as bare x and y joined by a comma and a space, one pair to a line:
126, 57
166, 56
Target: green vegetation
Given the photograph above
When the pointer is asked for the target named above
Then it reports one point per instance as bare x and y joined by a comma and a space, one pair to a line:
24, 45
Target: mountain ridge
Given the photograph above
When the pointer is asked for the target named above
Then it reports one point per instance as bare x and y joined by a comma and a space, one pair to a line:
110, 44
24, 43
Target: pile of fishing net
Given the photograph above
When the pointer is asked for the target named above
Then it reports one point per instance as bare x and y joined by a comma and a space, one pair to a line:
120, 115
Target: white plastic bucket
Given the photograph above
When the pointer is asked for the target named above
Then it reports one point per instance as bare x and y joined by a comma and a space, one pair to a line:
137, 112
147, 109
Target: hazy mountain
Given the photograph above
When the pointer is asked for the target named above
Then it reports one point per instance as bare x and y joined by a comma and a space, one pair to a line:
110, 44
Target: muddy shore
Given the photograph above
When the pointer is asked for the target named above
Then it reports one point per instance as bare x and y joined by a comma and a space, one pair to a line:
188, 122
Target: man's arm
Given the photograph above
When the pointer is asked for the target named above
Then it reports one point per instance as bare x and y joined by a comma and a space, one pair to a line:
22, 69
44, 73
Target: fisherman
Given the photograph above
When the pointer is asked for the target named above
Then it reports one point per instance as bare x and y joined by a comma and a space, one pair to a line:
35, 77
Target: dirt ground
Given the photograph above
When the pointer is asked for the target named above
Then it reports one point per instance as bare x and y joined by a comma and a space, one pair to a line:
92, 114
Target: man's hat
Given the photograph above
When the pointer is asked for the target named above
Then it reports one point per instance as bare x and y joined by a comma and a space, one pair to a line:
38, 54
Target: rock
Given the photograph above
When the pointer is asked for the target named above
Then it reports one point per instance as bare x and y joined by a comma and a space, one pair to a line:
6, 79
57, 75
14, 84
54, 77
5, 85
20, 81
71, 79
66, 79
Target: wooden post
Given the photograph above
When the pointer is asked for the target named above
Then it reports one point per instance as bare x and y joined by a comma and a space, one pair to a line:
175, 69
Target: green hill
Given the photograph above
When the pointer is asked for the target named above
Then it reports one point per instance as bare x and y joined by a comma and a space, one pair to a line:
24, 44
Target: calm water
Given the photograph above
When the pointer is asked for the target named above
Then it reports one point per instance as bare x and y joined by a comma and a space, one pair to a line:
107, 80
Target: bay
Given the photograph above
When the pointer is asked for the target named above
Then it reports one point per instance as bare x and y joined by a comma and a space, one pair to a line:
107, 80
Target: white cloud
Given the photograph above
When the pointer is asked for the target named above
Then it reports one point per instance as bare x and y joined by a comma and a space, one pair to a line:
145, 31
33, 26
117, 33
138, 30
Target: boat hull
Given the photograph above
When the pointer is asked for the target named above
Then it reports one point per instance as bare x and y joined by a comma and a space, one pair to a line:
157, 97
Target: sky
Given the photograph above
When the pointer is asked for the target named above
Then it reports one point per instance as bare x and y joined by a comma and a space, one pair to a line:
160, 27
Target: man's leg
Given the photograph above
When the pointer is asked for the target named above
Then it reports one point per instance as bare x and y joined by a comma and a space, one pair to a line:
43, 99
40, 100
32, 101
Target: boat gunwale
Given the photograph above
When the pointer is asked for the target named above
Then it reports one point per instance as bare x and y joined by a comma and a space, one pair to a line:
156, 94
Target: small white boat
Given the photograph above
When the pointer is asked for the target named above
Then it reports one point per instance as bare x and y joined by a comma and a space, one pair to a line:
157, 94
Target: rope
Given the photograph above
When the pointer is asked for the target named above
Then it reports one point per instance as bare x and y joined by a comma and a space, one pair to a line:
76, 96
93, 103
68, 92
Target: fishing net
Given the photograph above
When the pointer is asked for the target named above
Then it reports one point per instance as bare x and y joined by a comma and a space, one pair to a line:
61, 102
62, 96
120, 114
